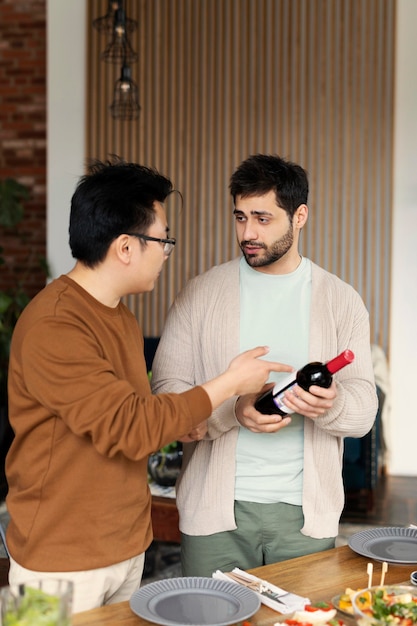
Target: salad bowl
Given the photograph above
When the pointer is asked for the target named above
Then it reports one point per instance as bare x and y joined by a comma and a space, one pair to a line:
386, 605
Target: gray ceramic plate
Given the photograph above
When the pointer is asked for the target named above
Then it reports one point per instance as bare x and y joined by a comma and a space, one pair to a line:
391, 544
194, 601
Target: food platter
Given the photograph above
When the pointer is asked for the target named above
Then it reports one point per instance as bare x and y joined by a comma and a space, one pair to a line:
192, 601
391, 544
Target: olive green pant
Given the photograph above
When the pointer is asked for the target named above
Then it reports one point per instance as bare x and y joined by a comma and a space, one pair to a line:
266, 533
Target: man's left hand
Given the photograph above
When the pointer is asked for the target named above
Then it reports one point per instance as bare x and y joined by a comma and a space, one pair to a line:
312, 403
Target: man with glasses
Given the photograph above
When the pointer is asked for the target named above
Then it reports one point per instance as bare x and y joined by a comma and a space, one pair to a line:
168, 243
257, 489
80, 403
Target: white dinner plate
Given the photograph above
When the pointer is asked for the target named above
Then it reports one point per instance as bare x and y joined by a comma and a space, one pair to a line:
391, 544
194, 601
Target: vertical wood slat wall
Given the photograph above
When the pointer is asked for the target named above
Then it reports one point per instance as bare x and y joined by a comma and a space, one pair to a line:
311, 80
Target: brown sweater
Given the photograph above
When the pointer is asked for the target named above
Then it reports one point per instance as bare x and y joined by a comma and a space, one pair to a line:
85, 422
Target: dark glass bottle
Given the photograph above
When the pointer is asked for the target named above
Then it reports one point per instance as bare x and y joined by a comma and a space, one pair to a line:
314, 373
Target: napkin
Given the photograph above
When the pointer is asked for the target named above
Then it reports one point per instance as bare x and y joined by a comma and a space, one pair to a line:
283, 602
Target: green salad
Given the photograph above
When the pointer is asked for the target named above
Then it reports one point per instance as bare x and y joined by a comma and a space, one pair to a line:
35, 607
385, 606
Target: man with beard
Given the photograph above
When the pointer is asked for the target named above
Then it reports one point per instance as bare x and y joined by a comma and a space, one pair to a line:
254, 488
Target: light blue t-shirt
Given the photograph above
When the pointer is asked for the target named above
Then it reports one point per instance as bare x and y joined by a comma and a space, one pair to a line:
274, 312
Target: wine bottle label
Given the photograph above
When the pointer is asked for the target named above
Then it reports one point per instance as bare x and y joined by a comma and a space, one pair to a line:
278, 401
287, 383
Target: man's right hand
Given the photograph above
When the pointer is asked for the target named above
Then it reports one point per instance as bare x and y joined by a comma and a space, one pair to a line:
247, 373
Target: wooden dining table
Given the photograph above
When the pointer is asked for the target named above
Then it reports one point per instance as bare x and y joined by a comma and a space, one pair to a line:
319, 576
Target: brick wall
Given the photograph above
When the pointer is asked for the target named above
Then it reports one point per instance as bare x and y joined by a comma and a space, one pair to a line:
23, 136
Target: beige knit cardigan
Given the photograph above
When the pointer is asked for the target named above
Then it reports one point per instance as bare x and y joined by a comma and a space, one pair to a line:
201, 337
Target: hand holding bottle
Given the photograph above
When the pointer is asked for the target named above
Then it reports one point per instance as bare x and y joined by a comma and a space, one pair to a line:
256, 422
315, 373
312, 403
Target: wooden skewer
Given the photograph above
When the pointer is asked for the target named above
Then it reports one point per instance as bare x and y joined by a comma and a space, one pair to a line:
370, 571
255, 586
383, 572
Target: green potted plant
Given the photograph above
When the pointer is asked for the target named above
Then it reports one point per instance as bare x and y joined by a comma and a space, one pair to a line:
164, 466
13, 300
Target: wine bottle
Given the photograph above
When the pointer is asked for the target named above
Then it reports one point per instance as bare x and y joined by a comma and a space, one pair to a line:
315, 373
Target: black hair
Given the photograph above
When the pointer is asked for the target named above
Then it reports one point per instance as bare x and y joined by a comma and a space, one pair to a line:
261, 173
115, 197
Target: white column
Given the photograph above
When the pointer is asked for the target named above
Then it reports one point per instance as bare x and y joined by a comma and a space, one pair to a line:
66, 33
402, 432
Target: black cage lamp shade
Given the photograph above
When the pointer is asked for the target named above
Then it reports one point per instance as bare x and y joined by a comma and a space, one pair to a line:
119, 49
105, 24
117, 25
125, 105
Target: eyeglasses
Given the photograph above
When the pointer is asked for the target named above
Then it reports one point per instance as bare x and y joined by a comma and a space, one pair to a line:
168, 243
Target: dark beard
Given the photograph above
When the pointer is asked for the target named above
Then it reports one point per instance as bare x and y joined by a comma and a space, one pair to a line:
273, 253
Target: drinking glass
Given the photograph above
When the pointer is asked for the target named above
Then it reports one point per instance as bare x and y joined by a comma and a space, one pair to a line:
45, 602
